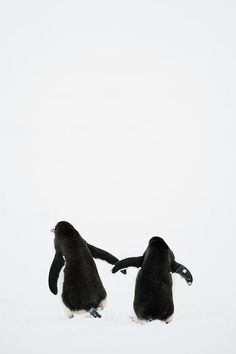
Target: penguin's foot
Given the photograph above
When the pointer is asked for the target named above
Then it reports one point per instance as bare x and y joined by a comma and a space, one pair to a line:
70, 316
185, 273
93, 312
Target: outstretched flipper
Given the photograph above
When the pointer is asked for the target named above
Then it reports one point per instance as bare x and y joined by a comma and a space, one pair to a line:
185, 273
57, 263
180, 269
128, 262
103, 255
93, 312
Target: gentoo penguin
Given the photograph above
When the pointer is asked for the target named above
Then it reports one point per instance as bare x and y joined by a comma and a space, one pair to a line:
82, 288
153, 290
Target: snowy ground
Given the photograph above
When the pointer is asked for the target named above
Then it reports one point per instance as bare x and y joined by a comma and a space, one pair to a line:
118, 117
33, 321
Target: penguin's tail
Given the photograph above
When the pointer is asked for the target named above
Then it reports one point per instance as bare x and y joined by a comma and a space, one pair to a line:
93, 312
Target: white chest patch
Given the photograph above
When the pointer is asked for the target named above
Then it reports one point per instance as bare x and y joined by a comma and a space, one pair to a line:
60, 282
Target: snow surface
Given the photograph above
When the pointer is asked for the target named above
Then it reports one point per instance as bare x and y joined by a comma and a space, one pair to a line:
118, 117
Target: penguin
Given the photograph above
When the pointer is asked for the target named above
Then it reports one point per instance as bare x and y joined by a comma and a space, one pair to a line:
82, 289
153, 298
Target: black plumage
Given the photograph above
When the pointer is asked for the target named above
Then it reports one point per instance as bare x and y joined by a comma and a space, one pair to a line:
82, 287
153, 298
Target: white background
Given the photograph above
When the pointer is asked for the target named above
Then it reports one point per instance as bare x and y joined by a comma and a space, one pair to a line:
119, 117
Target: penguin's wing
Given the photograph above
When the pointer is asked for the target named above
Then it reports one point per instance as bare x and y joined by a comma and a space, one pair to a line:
103, 255
57, 263
128, 262
180, 269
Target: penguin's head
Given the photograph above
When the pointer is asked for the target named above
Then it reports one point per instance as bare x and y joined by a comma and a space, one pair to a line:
62, 226
157, 241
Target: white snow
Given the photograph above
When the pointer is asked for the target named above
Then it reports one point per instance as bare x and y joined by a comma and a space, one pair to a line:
119, 117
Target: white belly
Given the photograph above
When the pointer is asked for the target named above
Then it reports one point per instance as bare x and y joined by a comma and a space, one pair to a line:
60, 282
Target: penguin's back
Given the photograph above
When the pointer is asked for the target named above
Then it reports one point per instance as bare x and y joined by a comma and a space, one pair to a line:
82, 287
153, 290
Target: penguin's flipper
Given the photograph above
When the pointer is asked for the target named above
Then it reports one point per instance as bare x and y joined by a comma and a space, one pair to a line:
93, 312
103, 255
185, 273
57, 263
128, 262
180, 269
